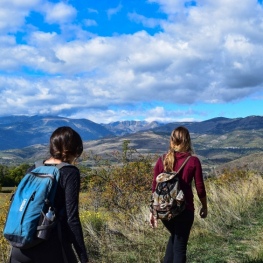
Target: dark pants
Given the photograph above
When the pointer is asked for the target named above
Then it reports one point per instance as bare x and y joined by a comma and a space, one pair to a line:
179, 228
46, 252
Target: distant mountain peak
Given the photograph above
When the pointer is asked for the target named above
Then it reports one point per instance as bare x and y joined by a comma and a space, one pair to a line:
22, 131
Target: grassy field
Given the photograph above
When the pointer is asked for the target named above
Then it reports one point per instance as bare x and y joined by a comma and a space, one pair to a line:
4, 198
4, 247
232, 232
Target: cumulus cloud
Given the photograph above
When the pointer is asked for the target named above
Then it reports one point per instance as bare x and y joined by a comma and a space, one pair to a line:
147, 22
207, 52
14, 12
59, 13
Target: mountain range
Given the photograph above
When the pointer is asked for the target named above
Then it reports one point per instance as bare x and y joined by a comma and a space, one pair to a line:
20, 131
216, 141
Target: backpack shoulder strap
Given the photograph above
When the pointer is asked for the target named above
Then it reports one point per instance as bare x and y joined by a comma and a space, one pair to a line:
174, 173
184, 163
39, 163
59, 166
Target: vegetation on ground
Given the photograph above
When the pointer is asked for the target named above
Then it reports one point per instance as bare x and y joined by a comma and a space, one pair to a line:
4, 247
114, 213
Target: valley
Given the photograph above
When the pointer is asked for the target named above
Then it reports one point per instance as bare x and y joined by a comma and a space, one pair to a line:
217, 142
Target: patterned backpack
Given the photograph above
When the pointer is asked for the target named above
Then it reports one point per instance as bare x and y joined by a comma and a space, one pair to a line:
167, 200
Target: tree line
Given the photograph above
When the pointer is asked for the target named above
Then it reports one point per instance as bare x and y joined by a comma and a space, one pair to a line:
10, 176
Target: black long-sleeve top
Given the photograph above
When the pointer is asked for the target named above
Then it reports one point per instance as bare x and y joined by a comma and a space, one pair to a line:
67, 201
66, 204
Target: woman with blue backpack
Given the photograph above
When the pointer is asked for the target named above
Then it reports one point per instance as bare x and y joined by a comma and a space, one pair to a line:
65, 147
179, 158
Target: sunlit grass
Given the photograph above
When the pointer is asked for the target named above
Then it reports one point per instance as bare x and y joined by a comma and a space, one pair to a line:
231, 233
4, 245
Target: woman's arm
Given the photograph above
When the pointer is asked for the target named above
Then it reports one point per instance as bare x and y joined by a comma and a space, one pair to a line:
72, 187
200, 188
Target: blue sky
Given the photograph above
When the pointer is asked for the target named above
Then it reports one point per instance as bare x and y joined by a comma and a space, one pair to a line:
164, 60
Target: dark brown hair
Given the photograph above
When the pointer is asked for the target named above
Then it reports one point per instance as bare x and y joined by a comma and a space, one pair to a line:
180, 141
65, 143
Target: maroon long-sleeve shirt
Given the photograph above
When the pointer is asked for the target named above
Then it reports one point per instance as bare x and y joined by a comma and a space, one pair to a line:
192, 170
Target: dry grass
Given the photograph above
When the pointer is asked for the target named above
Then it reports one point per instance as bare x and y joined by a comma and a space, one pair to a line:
233, 199
235, 211
228, 200
234, 203
4, 246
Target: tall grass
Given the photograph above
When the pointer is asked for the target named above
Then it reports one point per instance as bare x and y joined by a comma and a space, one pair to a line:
232, 232
234, 225
231, 199
4, 246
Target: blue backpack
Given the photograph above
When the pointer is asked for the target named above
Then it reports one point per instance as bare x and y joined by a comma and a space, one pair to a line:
31, 202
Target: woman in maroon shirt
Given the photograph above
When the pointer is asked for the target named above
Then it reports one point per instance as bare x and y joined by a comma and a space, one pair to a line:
180, 226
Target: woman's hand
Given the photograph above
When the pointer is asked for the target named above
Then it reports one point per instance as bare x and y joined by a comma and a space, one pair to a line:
153, 221
203, 212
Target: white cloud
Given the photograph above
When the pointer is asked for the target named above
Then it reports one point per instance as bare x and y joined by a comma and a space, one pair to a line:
145, 21
90, 22
14, 12
114, 11
170, 6
21, 4
163, 115
210, 53
156, 114
59, 13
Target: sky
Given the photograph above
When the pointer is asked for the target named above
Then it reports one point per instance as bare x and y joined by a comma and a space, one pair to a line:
151, 60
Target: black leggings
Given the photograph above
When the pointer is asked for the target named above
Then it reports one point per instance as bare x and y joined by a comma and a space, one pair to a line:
179, 228
46, 252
